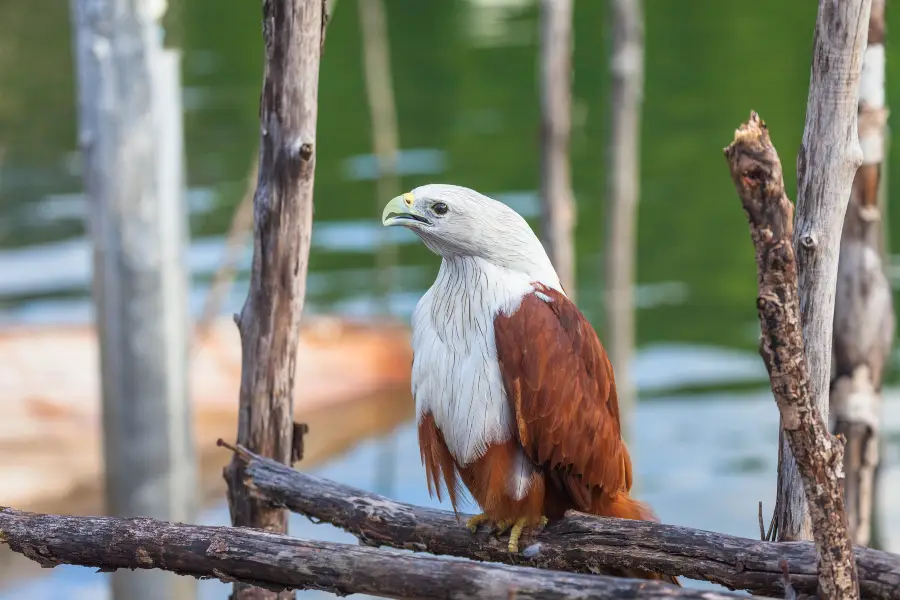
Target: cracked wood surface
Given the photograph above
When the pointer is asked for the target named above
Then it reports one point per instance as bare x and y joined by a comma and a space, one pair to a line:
274, 562
579, 543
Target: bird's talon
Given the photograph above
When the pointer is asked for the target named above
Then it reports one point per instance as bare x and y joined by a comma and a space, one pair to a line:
516, 533
473, 522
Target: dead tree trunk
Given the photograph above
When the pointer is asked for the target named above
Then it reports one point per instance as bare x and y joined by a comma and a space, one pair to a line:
863, 308
623, 175
756, 171
283, 208
558, 223
828, 160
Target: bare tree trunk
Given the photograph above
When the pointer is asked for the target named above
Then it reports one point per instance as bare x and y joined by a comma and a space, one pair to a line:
131, 137
557, 228
757, 175
623, 173
829, 157
283, 208
863, 310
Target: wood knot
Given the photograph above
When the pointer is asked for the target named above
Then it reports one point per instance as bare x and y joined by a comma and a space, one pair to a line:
808, 242
306, 151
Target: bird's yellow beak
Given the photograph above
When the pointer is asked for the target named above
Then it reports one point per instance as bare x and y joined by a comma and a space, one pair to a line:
401, 211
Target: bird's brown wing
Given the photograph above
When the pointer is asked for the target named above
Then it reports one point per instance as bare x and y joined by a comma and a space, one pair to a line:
561, 389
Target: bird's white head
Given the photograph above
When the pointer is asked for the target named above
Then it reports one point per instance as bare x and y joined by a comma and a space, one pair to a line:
455, 222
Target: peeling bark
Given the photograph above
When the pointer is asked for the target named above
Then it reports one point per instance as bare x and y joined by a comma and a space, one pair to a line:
756, 171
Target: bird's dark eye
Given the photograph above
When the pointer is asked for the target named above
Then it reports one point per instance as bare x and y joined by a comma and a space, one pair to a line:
440, 208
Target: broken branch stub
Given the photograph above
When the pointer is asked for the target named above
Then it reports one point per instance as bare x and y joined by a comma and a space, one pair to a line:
757, 175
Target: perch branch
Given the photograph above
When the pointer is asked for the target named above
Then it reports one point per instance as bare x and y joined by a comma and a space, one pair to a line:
756, 171
277, 562
579, 543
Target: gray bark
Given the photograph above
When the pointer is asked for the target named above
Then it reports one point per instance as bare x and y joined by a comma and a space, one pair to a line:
864, 322
275, 562
829, 157
580, 543
557, 201
130, 134
623, 174
282, 207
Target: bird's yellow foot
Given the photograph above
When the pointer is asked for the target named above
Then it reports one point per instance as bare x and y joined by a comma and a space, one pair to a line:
498, 527
516, 533
473, 522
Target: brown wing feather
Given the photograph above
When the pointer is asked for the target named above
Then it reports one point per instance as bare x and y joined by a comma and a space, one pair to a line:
562, 390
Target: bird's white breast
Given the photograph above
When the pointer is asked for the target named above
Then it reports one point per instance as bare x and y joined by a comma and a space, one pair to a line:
455, 374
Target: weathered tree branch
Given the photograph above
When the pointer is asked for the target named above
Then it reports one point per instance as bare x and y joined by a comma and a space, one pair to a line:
828, 159
580, 543
269, 322
756, 171
276, 562
864, 322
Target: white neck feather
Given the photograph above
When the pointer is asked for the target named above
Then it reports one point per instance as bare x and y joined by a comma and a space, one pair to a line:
455, 374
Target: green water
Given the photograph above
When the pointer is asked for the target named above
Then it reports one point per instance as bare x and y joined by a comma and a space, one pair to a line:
466, 91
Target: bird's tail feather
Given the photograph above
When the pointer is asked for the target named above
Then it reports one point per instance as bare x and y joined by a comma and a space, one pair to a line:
623, 506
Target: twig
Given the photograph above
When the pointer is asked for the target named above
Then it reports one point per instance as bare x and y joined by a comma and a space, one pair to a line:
277, 562
580, 543
789, 593
756, 171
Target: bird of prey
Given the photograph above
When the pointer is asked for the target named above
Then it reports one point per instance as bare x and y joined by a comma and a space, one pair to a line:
515, 396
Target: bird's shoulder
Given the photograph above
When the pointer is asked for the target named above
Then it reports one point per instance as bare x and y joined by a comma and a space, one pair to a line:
560, 387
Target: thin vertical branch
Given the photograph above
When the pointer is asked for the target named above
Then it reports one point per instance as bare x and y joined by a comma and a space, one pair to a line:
863, 311
557, 228
385, 132
283, 207
829, 157
623, 175
385, 142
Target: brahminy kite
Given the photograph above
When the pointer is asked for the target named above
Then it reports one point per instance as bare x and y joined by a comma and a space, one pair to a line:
515, 396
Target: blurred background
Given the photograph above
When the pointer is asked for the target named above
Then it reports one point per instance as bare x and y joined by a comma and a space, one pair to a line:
465, 84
